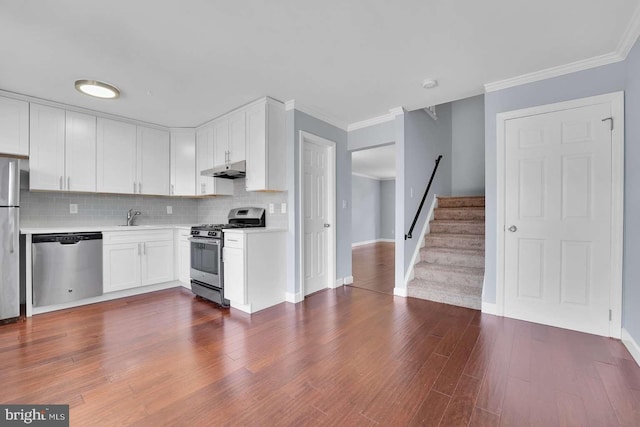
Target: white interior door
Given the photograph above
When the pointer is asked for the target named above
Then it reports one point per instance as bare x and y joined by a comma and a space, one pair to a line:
558, 218
316, 214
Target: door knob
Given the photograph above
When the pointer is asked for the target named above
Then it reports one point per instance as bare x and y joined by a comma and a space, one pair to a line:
327, 225
513, 229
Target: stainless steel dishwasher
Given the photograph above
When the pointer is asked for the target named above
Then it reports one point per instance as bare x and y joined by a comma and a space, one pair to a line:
66, 267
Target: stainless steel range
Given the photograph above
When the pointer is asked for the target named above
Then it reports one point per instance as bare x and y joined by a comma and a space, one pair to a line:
207, 267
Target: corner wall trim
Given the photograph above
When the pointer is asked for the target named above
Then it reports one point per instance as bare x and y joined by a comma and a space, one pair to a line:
370, 242
631, 345
293, 297
400, 292
489, 308
348, 280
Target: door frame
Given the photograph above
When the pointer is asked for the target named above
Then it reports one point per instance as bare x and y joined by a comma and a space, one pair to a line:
616, 99
331, 207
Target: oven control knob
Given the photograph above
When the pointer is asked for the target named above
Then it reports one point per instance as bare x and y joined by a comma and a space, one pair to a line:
212, 233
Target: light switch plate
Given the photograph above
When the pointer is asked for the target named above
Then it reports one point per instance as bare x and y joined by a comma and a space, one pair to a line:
283, 208
73, 208
344, 204
169, 210
271, 208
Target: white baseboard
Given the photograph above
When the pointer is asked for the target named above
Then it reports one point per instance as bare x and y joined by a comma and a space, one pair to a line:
370, 242
631, 345
416, 253
400, 292
293, 297
489, 308
348, 280
338, 283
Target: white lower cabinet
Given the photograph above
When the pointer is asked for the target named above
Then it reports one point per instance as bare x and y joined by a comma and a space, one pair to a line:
136, 258
254, 269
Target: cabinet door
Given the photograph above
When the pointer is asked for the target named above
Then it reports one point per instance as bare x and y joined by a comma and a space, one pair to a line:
184, 259
256, 148
154, 165
116, 157
121, 266
183, 164
221, 142
14, 127
237, 133
204, 156
157, 262
46, 161
80, 152
235, 288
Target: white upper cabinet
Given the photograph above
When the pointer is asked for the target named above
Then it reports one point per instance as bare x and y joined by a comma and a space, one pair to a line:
265, 146
14, 127
46, 161
80, 152
116, 158
153, 165
204, 160
229, 138
183, 163
63, 150
132, 159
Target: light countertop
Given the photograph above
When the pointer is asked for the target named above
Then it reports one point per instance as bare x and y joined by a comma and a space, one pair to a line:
101, 228
253, 230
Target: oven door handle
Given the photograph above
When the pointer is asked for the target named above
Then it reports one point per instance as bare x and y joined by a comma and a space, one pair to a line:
205, 241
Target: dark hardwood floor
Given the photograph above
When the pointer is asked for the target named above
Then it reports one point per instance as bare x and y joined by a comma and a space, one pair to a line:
373, 267
342, 357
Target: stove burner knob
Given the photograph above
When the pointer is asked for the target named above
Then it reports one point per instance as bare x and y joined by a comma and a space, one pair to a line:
212, 233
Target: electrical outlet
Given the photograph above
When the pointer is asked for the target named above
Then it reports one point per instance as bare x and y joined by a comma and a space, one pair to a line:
272, 209
283, 208
169, 210
73, 208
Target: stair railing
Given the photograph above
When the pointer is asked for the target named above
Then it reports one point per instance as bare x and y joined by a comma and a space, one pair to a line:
409, 235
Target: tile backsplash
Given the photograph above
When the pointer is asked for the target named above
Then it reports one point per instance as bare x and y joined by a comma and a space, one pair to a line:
51, 209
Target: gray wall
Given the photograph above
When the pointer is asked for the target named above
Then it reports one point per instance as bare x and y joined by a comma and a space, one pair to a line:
372, 209
387, 208
596, 81
371, 136
424, 140
631, 268
467, 146
365, 209
296, 121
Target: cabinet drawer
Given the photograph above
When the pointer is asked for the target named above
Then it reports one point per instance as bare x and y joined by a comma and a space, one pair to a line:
114, 237
234, 240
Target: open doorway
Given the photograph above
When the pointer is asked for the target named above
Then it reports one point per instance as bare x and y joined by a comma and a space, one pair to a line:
373, 218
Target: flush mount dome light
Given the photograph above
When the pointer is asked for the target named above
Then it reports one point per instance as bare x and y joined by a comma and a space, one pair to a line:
97, 89
429, 83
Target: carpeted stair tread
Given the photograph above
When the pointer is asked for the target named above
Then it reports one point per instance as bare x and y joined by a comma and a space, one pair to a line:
453, 256
475, 213
460, 295
459, 201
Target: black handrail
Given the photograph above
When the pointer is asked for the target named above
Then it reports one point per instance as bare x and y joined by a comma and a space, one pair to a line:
413, 224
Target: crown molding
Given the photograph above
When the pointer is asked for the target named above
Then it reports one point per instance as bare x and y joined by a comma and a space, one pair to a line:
560, 70
371, 122
630, 35
314, 112
397, 111
628, 39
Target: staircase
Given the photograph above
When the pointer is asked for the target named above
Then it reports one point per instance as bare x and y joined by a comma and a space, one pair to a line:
451, 266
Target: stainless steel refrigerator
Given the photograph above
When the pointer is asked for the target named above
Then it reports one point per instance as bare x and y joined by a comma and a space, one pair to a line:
9, 235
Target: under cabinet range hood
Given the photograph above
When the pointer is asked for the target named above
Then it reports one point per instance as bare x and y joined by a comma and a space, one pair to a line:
229, 171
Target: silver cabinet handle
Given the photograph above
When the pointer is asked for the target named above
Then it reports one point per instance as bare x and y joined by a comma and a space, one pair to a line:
327, 225
68, 183
144, 248
172, 189
139, 188
139, 250
513, 229
61, 183
134, 187
203, 188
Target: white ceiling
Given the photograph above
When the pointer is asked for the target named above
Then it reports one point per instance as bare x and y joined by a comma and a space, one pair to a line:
379, 162
183, 63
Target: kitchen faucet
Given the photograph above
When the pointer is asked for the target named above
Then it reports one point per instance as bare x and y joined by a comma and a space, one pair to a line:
131, 216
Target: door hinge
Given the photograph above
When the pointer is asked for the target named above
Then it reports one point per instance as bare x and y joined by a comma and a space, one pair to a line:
610, 119
610, 315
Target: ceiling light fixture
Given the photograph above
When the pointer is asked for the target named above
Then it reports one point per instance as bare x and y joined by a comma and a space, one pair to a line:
97, 88
429, 83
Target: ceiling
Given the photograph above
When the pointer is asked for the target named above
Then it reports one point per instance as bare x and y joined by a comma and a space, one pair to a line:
379, 162
183, 63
